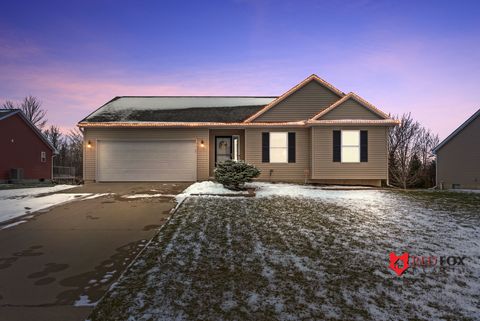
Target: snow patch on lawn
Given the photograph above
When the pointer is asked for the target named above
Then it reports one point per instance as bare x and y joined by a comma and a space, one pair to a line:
265, 189
20, 202
24, 192
206, 188
466, 190
15, 207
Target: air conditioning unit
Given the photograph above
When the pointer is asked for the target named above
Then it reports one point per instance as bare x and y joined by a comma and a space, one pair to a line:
16, 174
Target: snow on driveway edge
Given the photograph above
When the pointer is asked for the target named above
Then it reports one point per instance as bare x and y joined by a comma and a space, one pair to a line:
33, 191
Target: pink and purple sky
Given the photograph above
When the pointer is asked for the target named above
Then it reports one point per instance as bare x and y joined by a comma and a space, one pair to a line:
421, 57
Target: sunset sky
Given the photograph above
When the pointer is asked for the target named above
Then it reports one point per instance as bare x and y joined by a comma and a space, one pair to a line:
421, 57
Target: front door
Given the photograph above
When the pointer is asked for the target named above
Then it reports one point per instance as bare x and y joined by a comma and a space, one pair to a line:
223, 148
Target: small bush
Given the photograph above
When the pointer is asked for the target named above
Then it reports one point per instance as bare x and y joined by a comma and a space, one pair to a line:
233, 175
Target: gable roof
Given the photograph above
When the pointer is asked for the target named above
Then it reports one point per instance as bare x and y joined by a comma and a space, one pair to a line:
178, 109
5, 113
294, 89
229, 111
457, 131
358, 99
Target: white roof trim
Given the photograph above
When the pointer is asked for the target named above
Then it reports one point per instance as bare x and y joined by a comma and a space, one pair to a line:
353, 122
294, 89
358, 99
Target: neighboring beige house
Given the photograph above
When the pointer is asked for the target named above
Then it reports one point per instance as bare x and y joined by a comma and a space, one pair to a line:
312, 133
458, 156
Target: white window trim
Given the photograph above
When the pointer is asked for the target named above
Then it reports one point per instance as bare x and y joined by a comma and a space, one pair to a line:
236, 148
341, 146
286, 148
43, 157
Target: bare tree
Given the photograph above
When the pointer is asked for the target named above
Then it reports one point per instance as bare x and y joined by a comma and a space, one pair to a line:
428, 141
410, 152
76, 135
32, 108
69, 148
8, 104
54, 135
75, 138
403, 144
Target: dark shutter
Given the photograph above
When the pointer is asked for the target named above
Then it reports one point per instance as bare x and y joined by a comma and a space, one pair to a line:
265, 147
291, 147
336, 146
364, 146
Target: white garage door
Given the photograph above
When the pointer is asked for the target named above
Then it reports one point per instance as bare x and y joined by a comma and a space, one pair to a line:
165, 160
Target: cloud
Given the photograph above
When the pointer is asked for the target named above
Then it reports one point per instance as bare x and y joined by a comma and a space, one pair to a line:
69, 95
411, 74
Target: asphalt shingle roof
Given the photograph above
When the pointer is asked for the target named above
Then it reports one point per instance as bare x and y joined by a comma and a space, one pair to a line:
7, 112
179, 109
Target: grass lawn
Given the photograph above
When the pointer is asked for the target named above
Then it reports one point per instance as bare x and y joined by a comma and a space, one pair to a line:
325, 257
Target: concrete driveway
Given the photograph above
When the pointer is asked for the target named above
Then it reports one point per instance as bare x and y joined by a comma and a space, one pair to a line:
74, 252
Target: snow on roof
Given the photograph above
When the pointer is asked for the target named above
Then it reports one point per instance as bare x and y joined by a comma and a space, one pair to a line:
178, 108
181, 102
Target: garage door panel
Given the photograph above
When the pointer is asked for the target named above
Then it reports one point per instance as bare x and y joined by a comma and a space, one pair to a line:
166, 160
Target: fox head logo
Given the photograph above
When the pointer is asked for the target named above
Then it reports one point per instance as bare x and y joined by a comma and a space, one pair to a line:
398, 264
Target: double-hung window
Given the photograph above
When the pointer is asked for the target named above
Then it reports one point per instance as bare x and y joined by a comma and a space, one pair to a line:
278, 147
43, 157
350, 146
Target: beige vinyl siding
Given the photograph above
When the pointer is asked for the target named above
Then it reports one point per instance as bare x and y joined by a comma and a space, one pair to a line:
458, 161
94, 134
323, 166
302, 104
284, 171
350, 109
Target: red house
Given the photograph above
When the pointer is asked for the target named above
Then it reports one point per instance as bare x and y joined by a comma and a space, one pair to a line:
24, 152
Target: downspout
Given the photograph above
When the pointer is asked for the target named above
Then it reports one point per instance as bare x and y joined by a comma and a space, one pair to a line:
388, 159
51, 165
82, 130
436, 172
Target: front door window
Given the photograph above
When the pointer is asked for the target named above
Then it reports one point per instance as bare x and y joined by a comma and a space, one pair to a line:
223, 149
236, 148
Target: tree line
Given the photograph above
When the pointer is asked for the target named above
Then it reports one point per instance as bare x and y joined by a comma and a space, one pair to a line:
69, 146
411, 161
